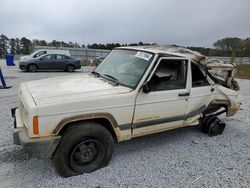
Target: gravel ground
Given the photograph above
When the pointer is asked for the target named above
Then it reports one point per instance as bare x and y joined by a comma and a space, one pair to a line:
179, 158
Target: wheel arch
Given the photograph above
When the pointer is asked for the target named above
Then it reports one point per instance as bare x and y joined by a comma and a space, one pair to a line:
104, 119
215, 105
70, 64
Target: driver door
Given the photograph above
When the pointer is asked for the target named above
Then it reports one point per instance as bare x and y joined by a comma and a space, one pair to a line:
45, 62
164, 106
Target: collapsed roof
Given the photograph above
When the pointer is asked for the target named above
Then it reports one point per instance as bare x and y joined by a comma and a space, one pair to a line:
222, 73
170, 50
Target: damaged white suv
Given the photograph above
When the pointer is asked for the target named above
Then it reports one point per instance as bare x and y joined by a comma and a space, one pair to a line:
135, 91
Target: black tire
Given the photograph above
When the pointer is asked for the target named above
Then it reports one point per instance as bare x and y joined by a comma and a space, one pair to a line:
206, 122
32, 68
216, 127
212, 125
70, 68
85, 147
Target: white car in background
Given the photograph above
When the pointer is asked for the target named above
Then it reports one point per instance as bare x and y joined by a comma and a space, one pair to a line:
39, 53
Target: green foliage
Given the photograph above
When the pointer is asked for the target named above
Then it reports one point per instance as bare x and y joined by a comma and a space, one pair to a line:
3, 45
111, 46
234, 46
232, 58
26, 46
12, 46
230, 47
17, 46
243, 71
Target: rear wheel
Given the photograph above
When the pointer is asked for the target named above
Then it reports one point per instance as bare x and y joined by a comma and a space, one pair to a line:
70, 68
212, 125
84, 148
32, 68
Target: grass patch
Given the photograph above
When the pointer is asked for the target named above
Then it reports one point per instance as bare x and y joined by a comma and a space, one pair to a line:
243, 71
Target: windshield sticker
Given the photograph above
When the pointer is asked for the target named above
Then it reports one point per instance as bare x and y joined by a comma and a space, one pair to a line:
143, 55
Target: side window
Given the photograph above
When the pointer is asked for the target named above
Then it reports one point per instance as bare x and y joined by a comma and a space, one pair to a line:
43, 52
39, 54
36, 55
169, 75
47, 57
53, 57
59, 57
198, 78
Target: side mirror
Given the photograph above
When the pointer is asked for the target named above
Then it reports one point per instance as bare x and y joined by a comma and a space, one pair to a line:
146, 88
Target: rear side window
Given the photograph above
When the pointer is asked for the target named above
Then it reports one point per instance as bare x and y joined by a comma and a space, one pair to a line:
60, 57
198, 77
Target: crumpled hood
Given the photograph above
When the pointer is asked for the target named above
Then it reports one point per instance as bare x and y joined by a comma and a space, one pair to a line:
222, 73
65, 89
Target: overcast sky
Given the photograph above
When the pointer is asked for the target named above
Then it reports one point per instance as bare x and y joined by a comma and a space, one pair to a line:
181, 22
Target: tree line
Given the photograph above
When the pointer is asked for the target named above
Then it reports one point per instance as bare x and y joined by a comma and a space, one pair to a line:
230, 46
227, 47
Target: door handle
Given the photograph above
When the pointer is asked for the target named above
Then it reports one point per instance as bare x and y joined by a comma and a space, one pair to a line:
184, 94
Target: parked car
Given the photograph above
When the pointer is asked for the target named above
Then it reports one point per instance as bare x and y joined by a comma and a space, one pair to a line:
39, 53
98, 60
95, 62
135, 91
50, 62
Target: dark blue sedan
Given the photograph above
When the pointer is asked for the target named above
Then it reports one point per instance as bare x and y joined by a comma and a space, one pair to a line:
50, 62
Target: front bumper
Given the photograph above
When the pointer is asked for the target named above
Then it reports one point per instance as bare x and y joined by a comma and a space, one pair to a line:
22, 67
78, 67
38, 147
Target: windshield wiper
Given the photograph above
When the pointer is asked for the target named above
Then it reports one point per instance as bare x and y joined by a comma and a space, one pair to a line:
95, 73
115, 80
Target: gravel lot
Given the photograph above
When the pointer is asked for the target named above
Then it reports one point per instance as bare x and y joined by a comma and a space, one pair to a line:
179, 158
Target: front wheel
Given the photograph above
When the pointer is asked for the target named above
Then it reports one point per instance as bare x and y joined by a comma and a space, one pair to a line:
85, 147
32, 68
70, 68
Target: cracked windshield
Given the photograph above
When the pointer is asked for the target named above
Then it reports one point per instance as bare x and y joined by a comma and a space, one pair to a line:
125, 67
